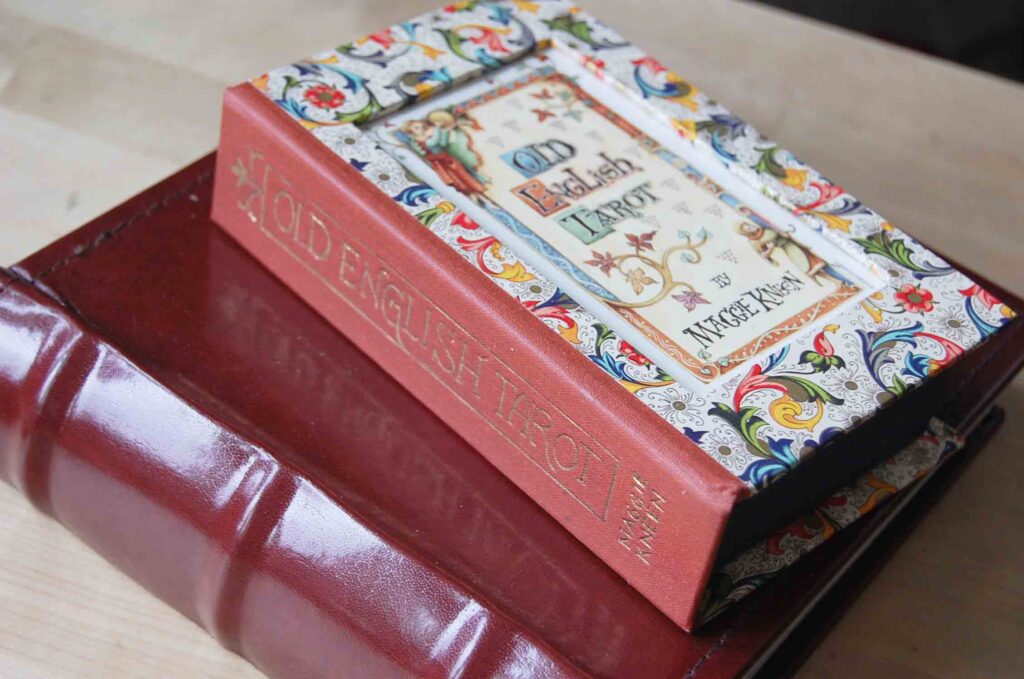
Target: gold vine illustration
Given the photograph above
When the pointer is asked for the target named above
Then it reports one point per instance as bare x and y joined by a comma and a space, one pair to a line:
637, 277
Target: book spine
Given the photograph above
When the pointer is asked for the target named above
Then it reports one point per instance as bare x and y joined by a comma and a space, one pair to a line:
633, 489
218, 527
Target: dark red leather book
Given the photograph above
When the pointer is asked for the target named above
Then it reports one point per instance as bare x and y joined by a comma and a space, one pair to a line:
173, 404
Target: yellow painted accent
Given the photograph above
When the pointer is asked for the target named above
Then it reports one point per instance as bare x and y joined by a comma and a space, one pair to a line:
882, 489
827, 529
516, 273
786, 412
634, 387
486, 29
795, 178
260, 83
429, 51
834, 222
570, 333
687, 128
526, 6
686, 101
873, 311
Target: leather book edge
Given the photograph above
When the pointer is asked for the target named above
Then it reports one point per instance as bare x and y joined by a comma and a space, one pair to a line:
155, 517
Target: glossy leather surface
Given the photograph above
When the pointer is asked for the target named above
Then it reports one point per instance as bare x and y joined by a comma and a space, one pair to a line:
177, 407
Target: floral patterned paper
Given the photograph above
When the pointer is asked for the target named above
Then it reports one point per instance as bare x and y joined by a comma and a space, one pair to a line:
758, 564
763, 419
761, 422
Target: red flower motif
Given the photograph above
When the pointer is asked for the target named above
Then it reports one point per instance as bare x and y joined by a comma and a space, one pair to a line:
325, 96
491, 40
641, 242
542, 115
986, 297
632, 355
465, 221
915, 299
754, 381
950, 351
384, 38
826, 194
605, 262
690, 299
594, 64
821, 343
651, 63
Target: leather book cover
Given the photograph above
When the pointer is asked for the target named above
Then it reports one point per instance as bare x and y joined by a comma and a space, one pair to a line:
178, 408
672, 334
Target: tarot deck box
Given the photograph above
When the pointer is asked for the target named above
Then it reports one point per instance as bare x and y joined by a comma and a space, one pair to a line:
670, 332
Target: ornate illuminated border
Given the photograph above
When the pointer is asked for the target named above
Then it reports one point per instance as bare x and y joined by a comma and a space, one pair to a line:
759, 423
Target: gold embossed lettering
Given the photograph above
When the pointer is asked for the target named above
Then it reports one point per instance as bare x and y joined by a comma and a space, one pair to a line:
444, 338
464, 368
424, 333
350, 263
474, 375
285, 211
315, 239
391, 307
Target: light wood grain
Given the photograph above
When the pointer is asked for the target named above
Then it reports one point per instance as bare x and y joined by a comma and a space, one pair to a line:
100, 99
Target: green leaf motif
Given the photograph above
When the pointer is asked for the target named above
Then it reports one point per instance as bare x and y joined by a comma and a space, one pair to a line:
747, 423
821, 363
370, 109
579, 29
427, 217
767, 164
895, 250
803, 390
898, 387
603, 333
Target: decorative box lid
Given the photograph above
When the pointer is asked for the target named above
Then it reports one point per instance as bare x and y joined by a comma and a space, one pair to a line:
753, 304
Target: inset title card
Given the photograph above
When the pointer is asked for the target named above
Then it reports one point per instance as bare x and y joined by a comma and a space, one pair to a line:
701, 276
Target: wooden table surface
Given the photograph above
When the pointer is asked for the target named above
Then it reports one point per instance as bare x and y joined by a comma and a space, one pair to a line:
101, 99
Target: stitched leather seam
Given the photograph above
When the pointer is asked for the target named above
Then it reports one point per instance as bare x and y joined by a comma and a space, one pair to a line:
714, 648
107, 235
707, 656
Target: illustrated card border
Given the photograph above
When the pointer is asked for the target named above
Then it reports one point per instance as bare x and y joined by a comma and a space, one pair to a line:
759, 422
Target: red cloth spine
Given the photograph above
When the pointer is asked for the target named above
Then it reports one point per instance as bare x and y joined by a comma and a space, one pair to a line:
638, 493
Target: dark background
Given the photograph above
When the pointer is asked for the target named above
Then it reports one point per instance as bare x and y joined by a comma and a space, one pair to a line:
982, 34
